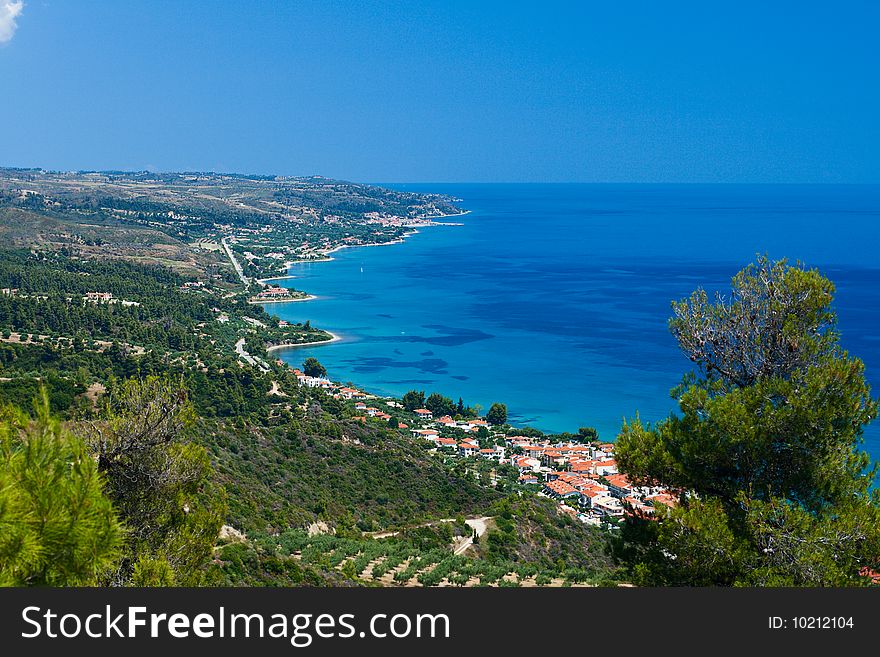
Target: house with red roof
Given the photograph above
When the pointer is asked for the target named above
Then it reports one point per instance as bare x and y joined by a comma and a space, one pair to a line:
664, 497
583, 467
605, 468
427, 434
467, 449
535, 451
523, 463
559, 490
619, 485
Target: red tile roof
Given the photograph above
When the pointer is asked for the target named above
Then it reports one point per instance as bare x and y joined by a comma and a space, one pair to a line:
560, 487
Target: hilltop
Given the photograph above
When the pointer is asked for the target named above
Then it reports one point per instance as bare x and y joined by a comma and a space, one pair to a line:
183, 220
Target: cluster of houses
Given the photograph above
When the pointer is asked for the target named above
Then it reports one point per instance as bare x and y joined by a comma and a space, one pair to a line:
271, 293
585, 475
312, 381
88, 297
106, 297
583, 478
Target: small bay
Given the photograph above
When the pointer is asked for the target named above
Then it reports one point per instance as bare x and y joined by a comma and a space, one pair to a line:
554, 298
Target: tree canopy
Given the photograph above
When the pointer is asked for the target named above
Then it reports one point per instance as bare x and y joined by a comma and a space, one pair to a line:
57, 526
497, 414
773, 488
439, 404
158, 481
414, 399
313, 367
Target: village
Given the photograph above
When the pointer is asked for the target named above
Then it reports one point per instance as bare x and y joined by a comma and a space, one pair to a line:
582, 477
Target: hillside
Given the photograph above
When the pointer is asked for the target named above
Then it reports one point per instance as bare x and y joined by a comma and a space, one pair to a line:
122, 286
183, 219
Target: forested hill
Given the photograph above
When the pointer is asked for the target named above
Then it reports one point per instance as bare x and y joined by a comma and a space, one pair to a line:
180, 219
128, 336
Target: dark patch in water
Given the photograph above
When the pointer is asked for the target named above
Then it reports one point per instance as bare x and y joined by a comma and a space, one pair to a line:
427, 353
377, 364
461, 378
353, 296
451, 336
522, 420
384, 315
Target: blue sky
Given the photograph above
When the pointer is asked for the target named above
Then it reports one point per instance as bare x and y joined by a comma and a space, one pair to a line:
446, 91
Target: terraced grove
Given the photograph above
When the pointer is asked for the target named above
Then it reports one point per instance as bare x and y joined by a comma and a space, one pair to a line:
390, 562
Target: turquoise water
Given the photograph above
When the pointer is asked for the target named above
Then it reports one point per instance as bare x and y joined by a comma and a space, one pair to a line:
554, 298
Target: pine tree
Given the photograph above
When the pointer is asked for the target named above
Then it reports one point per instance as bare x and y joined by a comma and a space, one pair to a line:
160, 482
765, 456
497, 414
57, 527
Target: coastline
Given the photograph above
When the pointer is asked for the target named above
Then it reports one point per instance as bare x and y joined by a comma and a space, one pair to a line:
308, 297
280, 347
263, 281
325, 256
428, 224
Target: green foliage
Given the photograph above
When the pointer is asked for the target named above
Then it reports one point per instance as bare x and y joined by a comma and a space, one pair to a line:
413, 399
430, 537
57, 527
777, 321
262, 563
531, 530
588, 434
766, 447
311, 367
50, 301
497, 414
439, 405
336, 470
417, 556
152, 571
159, 482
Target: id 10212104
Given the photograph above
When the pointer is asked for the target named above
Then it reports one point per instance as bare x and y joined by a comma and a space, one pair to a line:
811, 623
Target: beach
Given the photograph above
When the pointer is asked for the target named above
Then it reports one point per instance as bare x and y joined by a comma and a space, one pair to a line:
308, 297
320, 343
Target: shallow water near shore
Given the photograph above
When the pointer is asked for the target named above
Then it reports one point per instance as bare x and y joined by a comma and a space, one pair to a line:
554, 298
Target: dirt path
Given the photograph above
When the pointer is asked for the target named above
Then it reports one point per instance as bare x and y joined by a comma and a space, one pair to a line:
480, 524
276, 390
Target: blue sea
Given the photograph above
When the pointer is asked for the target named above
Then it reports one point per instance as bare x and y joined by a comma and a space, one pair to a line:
555, 298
